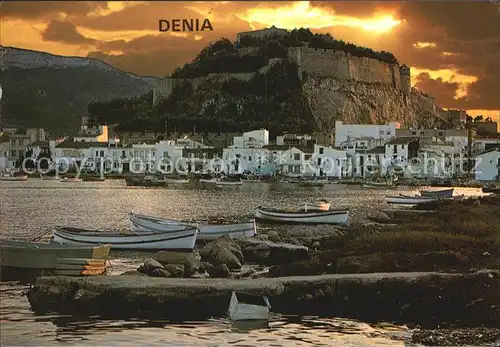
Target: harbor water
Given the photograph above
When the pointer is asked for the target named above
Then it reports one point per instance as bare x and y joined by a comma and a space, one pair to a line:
30, 209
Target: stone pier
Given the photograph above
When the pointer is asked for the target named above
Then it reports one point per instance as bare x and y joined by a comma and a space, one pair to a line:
425, 299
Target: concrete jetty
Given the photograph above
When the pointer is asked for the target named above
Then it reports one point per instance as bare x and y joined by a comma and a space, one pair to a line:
427, 299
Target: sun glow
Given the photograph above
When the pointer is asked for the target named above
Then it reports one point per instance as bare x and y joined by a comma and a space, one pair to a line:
421, 45
301, 14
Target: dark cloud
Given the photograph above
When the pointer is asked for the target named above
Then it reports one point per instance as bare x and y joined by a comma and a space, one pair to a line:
444, 92
44, 9
65, 32
484, 94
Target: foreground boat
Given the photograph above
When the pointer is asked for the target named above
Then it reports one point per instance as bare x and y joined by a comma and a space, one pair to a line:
444, 193
25, 259
302, 217
379, 185
408, 200
181, 239
319, 205
142, 223
248, 307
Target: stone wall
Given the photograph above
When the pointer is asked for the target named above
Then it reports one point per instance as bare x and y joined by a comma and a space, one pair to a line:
343, 66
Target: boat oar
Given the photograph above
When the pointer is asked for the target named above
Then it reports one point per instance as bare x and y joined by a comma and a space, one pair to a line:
39, 236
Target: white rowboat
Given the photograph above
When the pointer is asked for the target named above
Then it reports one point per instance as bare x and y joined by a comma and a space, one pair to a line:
11, 178
444, 193
379, 185
169, 180
248, 307
184, 238
223, 182
142, 223
302, 217
71, 179
408, 200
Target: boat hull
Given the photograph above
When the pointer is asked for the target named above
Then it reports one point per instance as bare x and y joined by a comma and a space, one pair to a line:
179, 240
408, 200
176, 181
228, 183
14, 178
141, 223
445, 193
378, 186
71, 180
315, 217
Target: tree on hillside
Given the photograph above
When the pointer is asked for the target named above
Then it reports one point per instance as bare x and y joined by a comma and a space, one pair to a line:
488, 119
478, 118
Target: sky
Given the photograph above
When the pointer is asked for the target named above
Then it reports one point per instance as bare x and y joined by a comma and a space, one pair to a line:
452, 47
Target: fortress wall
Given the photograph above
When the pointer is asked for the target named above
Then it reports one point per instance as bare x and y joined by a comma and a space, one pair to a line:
341, 65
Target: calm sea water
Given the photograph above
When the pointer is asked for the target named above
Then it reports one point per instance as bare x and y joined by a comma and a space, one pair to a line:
33, 208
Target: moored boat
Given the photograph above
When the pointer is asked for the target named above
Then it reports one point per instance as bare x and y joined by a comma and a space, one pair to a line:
243, 307
301, 217
312, 183
146, 181
443, 193
93, 178
142, 223
182, 239
379, 185
408, 200
228, 181
21, 260
319, 205
70, 179
16, 177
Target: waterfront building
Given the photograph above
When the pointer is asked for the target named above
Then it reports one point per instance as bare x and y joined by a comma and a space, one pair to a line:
330, 161
398, 153
482, 144
348, 135
488, 165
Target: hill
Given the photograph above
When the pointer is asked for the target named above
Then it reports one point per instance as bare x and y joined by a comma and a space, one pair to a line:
50, 91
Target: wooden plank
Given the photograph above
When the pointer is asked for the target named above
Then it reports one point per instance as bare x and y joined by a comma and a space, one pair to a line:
81, 261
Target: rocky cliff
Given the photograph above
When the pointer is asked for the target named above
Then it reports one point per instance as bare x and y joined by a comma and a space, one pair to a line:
356, 102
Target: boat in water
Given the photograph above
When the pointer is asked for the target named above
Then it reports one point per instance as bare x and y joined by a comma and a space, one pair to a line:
183, 238
443, 193
14, 177
143, 223
272, 215
318, 205
27, 260
245, 307
409, 200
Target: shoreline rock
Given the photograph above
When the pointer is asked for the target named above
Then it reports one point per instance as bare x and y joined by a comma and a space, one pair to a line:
429, 300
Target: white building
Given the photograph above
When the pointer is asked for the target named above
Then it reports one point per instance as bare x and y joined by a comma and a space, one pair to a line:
488, 165
329, 161
251, 139
347, 134
92, 134
246, 160
483, 144
398, 153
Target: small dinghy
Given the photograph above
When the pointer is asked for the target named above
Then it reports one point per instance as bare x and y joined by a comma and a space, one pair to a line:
444, 193
408, 200
70, 179
146, 181
175, 179
142, 223
23, 260
319, 205
249, 307
228, 181
312, 183
16, 177
184, 238
301, 217
379, 185
93, 179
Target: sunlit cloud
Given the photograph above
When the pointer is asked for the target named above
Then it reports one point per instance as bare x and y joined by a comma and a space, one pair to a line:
422, 45
447, 75
113, 6
449, 54
301, 14
106, 35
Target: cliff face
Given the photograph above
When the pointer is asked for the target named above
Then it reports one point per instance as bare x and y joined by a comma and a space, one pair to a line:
332, 99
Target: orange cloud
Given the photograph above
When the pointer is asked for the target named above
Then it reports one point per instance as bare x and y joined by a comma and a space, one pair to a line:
447, 75
301, 14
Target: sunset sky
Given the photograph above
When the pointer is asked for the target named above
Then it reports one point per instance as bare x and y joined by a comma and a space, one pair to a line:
453, 48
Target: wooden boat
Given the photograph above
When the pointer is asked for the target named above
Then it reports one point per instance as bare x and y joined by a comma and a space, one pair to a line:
228, 182
408, 200
491, 190
16, 177
142, 223
93, 178
302, 217
71, 179
146, 181
248, 307
24, 259
444, 193
379, 185
319, 205
182, 239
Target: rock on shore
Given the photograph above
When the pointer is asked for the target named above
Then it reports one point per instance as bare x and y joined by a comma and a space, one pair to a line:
426, 299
